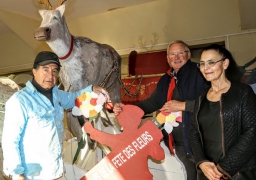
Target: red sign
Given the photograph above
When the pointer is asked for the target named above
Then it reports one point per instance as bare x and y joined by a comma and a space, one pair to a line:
130, 149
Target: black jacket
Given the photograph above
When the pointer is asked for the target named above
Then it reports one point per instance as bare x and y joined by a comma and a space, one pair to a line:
238, 123
190, 84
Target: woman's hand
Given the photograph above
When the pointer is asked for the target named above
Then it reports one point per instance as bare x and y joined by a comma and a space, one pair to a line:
117, 108
209, 170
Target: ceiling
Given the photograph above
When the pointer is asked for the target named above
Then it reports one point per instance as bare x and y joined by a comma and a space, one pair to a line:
74, 8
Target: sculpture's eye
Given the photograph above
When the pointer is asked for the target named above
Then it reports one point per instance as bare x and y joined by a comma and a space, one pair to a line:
55, 18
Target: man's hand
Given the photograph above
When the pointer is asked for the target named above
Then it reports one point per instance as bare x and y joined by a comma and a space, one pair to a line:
117, 108
209, 170
173, 106
18, 177
98, 90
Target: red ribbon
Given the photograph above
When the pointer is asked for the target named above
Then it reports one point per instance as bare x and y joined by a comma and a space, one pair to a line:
169, 97
70, 49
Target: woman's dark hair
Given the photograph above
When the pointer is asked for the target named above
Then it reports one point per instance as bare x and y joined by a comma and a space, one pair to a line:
232, 72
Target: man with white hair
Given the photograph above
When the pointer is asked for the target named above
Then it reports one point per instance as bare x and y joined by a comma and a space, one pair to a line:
176, 91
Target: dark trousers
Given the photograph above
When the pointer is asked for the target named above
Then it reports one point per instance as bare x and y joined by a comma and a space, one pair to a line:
188, 163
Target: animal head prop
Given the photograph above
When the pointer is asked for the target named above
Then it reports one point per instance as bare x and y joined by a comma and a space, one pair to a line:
52, 20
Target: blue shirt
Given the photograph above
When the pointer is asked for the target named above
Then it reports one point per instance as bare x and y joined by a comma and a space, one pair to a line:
32, 132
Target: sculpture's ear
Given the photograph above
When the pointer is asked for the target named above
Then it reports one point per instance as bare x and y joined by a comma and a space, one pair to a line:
61, 9
41, 12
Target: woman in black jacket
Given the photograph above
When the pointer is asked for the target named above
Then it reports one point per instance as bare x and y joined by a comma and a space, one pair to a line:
223, 129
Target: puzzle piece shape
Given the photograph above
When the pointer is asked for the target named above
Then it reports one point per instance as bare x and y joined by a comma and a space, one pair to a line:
130, 149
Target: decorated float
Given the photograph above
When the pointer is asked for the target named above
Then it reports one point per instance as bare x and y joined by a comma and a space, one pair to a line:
108, 149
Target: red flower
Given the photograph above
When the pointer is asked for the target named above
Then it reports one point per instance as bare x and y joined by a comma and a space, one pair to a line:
78, 103
93, 101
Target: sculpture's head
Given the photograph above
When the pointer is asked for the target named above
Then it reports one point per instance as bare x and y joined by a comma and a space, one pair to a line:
53, 25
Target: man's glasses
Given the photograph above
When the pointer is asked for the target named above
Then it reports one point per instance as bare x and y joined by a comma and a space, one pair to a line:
209, 63
180, 53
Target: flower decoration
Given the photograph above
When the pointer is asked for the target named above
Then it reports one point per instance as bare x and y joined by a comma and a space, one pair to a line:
168, 119
89, 105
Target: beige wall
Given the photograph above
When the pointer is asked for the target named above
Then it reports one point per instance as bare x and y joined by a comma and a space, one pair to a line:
18, 49
146, 27
167, 19
15, 53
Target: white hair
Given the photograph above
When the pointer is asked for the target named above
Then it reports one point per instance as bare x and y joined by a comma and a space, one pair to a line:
177, 42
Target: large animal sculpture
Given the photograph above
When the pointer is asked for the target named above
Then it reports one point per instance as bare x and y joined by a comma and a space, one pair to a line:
83, 60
